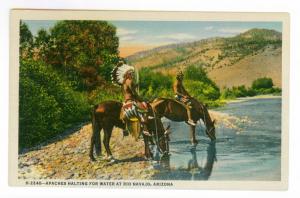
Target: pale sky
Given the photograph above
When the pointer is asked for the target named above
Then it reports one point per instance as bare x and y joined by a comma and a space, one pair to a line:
147, 34
167, 32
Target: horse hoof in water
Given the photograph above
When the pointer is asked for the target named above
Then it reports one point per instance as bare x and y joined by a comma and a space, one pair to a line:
165, 156
194, 142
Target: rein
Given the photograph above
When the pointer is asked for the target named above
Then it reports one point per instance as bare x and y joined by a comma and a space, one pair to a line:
157, 139
205, 123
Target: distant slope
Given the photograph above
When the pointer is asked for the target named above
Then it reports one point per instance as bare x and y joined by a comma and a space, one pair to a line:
229, 61
133, 49
266, 63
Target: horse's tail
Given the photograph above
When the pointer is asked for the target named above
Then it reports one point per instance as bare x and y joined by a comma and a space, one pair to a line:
96, 136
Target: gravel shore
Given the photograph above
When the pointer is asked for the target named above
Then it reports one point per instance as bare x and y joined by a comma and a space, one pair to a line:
68, 156
68, 159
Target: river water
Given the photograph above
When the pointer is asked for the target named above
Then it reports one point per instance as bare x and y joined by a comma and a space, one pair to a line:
251, 153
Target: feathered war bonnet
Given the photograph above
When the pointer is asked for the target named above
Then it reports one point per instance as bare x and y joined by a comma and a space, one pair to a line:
119, 72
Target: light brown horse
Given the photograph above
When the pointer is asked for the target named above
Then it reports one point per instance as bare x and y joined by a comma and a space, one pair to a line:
106, 116
176, 111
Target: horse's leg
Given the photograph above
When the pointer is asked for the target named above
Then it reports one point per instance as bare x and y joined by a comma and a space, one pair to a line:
98, 146
148, 154
107, 135
95, 138
91, 154
193, 135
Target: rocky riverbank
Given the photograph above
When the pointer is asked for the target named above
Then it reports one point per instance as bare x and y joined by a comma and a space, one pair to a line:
67, 157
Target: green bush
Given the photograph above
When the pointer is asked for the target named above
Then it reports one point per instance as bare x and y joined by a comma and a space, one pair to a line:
227, 94
260, 86
48, 105
197, 73
39, 114
201, 90
101, 94
272, 90
262, 83
242, 91
154, 85
197, 83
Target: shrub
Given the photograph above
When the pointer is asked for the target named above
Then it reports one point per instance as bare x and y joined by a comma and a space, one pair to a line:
201, 90
102, 94
227, 94
39, 114
197, 83
262, 83
154, 85
48, 105
260, 86
197, 73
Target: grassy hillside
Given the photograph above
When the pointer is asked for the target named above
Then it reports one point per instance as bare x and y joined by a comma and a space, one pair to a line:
228, 61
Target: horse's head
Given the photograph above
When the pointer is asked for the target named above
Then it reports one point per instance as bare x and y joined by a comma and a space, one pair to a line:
211, 130
158, 134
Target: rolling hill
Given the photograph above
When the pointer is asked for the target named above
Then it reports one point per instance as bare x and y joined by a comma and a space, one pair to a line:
228, 61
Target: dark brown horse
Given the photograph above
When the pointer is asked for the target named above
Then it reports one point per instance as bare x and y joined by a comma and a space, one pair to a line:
176, 111
106, 116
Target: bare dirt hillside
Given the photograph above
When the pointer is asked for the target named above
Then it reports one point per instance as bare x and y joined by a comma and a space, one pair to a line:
229, 62
265, 64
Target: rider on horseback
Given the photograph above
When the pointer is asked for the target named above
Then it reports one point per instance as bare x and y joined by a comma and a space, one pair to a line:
183, 96
133, 106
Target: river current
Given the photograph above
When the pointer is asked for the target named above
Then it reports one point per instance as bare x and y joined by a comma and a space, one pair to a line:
251, 152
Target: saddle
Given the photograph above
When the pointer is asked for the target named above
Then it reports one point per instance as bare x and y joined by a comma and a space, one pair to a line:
133, 112
185, 100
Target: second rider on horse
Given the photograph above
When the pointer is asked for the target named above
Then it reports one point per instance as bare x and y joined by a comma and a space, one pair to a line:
183, 96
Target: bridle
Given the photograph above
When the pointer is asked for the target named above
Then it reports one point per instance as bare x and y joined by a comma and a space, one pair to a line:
155, 137
208, 132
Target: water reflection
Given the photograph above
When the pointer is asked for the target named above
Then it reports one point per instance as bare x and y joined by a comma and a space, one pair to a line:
202, 173
193, 171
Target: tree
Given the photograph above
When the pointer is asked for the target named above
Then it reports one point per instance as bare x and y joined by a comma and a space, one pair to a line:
197, 73
41, 44
154, 84
78, 45
26, 40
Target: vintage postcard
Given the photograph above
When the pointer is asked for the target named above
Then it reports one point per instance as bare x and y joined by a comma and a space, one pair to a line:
142, 99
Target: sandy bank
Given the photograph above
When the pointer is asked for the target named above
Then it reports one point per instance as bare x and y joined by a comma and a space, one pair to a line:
68, 159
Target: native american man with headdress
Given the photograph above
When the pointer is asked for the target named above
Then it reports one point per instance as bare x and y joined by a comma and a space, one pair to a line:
133, 105
183, 96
